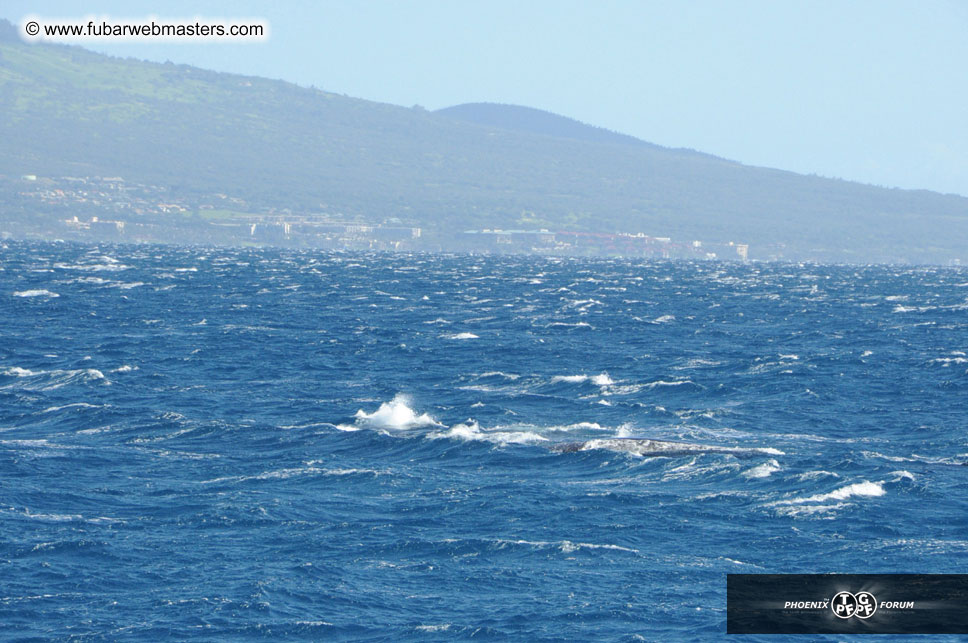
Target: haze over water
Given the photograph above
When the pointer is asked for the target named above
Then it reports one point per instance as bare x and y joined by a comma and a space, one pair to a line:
219, 443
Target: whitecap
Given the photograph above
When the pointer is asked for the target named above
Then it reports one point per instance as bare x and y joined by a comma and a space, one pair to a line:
55, 378
948, 361
809, 510
471, 431
571, 379
462, 336
43, 292
395, 414
565, 546
283, 474
75, 405
580, 426
16, 371
863, 489
764, 470
813, 475
509, 376
658, 383
602, 379
97, 267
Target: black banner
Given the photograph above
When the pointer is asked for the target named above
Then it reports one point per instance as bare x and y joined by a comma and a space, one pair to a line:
847, 604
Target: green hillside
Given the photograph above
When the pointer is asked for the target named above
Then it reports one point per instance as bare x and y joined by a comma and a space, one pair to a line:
65, 111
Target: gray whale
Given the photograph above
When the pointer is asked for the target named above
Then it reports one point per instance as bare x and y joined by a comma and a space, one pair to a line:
647, 447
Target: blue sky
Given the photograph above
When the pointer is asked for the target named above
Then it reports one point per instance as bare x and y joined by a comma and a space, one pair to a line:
866, 90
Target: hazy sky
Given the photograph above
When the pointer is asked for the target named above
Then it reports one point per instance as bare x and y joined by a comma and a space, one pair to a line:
873, 91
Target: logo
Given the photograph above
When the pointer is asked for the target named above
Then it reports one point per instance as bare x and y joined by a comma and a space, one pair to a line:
861, 605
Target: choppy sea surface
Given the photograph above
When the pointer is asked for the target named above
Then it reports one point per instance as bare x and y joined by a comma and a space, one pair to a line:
202, 443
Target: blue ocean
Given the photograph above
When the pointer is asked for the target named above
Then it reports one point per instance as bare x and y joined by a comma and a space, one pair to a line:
236, 444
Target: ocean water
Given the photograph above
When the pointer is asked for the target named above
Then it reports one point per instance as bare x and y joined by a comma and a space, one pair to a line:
204, 444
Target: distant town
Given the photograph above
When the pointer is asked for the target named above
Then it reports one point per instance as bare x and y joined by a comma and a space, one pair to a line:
96, 208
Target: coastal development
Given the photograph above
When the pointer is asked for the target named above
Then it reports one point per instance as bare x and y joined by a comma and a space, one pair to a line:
113, 209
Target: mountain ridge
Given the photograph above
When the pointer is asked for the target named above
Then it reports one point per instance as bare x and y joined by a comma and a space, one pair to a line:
67, 111
539, 121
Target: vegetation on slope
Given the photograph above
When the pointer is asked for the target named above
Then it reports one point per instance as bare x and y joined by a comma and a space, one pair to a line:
68, 111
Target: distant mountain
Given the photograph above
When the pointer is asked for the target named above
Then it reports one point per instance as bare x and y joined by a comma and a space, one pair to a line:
66, 111
536, 121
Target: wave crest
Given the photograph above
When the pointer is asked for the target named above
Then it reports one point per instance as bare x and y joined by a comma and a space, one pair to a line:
395, 414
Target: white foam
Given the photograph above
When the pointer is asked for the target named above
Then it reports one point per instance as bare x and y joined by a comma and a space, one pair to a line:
75, 405
948, 361
349, 428
55, 378
39, 443
813, 475
580, 426
16, 371
283, 474
111, 266
602, 379
697, 363
509, 376
43, 292
462, 336
809, 510
571, 379
764, 470
566, 546
395, 414
664, 319
863, 489
656, 383
471, 431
